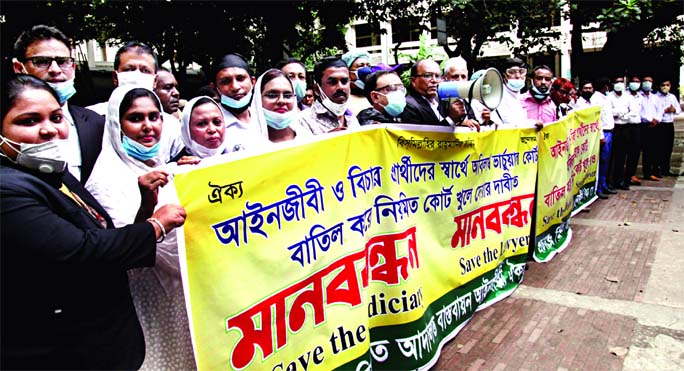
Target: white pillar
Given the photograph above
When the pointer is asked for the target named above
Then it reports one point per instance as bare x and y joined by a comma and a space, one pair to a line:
566, 45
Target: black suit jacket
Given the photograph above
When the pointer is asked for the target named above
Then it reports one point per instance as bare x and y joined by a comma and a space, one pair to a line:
65, 302
418, 111
90, 128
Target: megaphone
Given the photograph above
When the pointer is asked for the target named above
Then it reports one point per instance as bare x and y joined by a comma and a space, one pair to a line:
488, 89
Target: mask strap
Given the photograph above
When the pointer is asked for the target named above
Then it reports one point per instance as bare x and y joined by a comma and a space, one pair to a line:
11, 143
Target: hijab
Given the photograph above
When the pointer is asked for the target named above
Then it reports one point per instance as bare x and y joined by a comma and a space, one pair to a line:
193, 147
112, 134
258, 110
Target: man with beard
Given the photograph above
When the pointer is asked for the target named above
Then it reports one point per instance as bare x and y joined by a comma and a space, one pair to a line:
44, 52
422, 103
329, 112
536, 102
167, 91
234, 82
356, 60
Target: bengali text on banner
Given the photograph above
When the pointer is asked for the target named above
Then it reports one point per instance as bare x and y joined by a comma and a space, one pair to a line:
568, 163
363, 250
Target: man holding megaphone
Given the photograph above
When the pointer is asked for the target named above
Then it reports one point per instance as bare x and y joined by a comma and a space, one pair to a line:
487, 89
422, 103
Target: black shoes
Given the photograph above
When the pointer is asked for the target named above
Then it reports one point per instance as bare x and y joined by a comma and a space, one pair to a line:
669, 173
610, 191
601, 195
623, 186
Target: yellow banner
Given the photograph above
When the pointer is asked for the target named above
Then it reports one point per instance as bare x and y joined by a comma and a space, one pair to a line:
360, 250
568, 162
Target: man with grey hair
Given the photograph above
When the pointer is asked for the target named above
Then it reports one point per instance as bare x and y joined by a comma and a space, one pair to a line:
455, 69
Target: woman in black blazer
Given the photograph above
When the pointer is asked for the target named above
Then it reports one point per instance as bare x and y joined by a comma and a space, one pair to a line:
65, 297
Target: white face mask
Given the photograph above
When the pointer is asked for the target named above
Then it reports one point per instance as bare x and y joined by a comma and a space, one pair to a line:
337, 109
137, 78
48, 157
204, 152
279, 121
619, 86
237, 104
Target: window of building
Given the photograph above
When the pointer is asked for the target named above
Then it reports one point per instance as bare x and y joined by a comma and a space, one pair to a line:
367, 34
408, 29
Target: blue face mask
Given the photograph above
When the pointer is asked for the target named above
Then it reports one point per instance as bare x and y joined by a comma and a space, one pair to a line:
279, 121
646, 85
396, 101
299, 89
237, 104
360, 84
64, 90
634, 86
515, 85
137, 150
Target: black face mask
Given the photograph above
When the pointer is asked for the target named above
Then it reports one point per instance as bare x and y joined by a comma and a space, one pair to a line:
586, 96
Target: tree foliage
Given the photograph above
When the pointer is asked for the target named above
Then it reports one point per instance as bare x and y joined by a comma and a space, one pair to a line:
193, 31
523, 25
637, 31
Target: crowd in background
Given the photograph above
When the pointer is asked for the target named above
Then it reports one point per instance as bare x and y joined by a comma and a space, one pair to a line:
87, 208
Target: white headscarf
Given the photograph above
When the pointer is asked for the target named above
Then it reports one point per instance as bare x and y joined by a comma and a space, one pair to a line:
193, 147
114, 184
114, 180
113, 132
257, 108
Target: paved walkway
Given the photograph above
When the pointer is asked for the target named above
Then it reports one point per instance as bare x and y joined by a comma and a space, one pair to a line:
613, 300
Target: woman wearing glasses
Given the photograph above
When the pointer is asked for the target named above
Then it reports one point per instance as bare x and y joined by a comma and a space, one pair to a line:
276, 107
385, 91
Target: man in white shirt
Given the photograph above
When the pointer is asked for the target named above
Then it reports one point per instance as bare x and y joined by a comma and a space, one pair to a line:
510, 112
634, 128
234, 81
669, 106
650, 118
620, 104
607, 123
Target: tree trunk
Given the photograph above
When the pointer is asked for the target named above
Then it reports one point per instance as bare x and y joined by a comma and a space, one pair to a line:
577, 54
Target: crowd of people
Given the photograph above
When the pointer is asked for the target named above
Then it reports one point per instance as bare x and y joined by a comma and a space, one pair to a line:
90, 272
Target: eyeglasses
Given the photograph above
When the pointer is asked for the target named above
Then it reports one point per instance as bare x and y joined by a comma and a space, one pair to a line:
392, 88
45, 62
430, 76
274, 96
516, 71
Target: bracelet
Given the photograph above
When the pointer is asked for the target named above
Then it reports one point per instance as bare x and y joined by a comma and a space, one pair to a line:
157, 222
